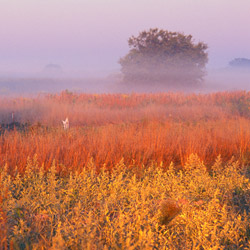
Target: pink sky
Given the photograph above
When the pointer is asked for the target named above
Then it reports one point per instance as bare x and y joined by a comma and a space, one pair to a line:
93, 34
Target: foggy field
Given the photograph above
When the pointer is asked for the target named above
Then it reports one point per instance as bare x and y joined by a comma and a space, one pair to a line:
215, 80
124, 125
140, 128
141, 171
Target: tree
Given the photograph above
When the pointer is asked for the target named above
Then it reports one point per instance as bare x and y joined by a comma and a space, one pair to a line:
162, 56
240, 63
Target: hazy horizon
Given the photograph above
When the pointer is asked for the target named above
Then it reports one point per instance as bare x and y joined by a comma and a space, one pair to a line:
90, 36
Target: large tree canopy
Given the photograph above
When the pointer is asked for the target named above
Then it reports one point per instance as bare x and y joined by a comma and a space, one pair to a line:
163, 56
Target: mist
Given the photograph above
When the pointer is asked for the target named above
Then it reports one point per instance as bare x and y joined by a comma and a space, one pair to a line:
85, 40
226, 79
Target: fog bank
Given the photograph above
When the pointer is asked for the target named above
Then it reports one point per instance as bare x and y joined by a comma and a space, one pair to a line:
215, 80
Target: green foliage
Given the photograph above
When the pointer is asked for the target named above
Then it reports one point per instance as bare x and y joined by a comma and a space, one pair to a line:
130, 208
163, 56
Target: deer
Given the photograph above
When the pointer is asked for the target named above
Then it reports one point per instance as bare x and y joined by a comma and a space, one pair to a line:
66, 123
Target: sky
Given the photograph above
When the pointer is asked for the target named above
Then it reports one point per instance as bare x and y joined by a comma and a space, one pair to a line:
91, 35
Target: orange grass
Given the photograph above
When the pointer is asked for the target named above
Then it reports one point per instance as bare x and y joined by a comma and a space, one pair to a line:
139, 128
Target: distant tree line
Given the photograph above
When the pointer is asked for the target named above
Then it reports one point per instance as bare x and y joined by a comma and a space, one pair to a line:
240, 63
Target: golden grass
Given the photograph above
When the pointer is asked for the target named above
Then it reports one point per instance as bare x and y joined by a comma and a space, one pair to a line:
155, 209
153, 171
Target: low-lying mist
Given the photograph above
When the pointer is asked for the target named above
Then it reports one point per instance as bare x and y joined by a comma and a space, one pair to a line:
99, 109
227, 80
214, 80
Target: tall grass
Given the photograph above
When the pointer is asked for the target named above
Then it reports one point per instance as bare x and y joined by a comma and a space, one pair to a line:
139, 128
129, 208
139, 143
153, 171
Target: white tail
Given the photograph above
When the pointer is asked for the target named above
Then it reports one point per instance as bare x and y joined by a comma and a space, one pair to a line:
66, 124
13, 116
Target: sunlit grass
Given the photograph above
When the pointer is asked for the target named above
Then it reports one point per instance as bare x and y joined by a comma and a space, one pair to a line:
139, 171
128, 208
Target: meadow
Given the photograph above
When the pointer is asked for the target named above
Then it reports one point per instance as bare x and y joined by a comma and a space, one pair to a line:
136, 171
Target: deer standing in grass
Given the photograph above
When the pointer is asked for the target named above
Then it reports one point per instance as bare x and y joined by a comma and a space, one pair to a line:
66, 124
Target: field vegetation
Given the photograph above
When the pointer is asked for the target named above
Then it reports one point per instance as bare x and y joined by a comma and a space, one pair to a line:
137, 171
140, 128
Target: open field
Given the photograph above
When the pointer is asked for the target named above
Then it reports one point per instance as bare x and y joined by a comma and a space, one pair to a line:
139, 128
138, 171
